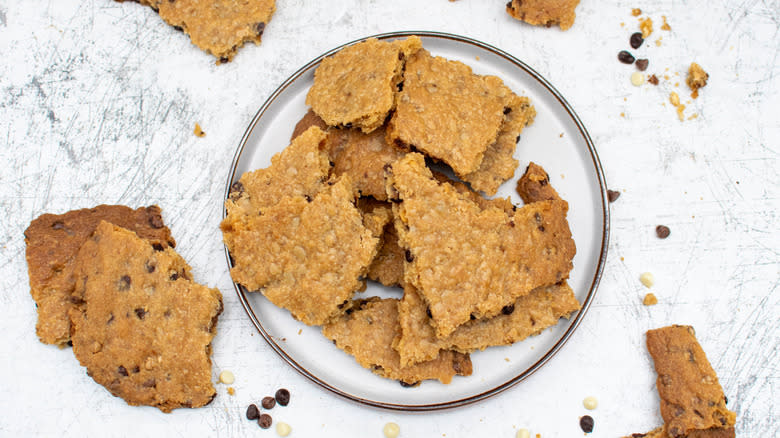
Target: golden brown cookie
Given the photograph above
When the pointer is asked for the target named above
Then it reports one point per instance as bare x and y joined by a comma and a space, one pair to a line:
388, 266
542, 308
356, 87
468, 262
544, 12
696, 79
53, 240
142, 327
692, 400
448, 112
534, 185
305, 256
307, 121
366, 331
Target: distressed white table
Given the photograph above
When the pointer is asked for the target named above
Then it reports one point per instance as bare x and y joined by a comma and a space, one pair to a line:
98, 104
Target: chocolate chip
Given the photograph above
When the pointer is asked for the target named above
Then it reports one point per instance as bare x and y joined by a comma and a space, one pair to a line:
507, 310
612, 195
636, 40
408, 385
237, 187
150, 267
517, 139
268, 402
409, 256
179, 28
259, 28
653, 79
155, 221
512, 224
540, 228
264, 421
586, 423
224, 60
140, 312
662, 231
157, 247
400, 85
725, 399
122, 371
174, 276
70, 343
252, 413
58, 225
124, 283
428, 312
282, 397
641, 64
625, 57
472, 317
507, 110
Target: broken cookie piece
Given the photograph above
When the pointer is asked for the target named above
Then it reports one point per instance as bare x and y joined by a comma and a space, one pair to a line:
697, 78
366, 331
534, 185
53, 240
141, 326
388, 265
544, 12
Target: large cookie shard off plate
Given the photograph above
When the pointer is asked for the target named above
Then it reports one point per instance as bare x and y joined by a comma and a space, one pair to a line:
542, 308
142, 327
367, 330
53, 240
357, 86
544, 12
447, 112
468, 262
305, 256
692, 400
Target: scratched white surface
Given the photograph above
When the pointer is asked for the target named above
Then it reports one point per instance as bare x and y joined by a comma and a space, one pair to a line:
99, 100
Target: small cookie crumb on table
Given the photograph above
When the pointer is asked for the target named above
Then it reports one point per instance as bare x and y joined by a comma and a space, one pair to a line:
650, 299
198, 131
697, 78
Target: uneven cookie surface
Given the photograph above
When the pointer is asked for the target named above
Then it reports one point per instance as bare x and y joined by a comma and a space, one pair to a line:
448, 112
388, 265
468, 262
366, 331
356, 87
53, 240
142, 327
544, 12
535, 186
692, 400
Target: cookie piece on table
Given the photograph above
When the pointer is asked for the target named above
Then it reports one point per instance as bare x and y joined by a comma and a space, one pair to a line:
53, 240
692, 400
498, 164
544, 12
301, 169
543, 307
356, 87
366, 331
468, 262
305, 256
534, 185
448, 112
697, 78
142, 327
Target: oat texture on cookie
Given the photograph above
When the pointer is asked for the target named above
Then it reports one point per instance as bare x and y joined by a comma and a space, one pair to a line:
544, 12
141, 326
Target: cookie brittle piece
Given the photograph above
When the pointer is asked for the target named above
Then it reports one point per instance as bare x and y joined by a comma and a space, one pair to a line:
388, 264
143, 328
692, 400
53, 240
448, 112
306, 257
301, 169
535, 186
468, 262
544, 12
543, 307
357, 86
498, 164
307, 121
366, 331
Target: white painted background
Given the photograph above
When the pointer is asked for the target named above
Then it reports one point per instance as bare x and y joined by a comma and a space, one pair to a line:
97, 104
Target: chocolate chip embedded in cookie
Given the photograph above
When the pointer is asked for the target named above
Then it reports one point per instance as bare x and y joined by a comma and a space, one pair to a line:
534, 185
544, 12
53, 240
142, 327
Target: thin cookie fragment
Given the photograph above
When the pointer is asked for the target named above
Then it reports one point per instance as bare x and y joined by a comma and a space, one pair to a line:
366, 331
142, 327
692, 400
53, 240
305, 256
357, 86
448, 112
697, 78
529, 315
544, 12
498, 164
535, 186
468, 262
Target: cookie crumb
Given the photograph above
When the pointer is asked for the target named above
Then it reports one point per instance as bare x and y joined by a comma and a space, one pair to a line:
658, 42
646, 279
226, 377
590, 403
674, 99
391, 430
646, 26
612, 195
665, 26
283, 429
636, 12
650, 300
523, 433
231, 391
697, 78
653, 79
198, 131
637, 79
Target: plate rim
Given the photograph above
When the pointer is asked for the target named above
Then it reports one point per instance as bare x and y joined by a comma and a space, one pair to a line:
241, 291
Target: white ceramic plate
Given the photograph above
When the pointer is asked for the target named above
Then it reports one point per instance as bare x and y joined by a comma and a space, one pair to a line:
557, 140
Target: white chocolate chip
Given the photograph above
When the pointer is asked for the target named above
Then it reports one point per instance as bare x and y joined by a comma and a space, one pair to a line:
283, 429
391, 430
523, 433
647, 279
590, 403
637, 78
226, 377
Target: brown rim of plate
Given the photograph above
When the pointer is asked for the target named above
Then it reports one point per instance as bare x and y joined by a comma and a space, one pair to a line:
241, 291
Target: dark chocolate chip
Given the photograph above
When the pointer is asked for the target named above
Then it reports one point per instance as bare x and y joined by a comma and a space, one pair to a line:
400, 85
428, 312
507, 110
156, 221
348, 125
541, 228
517, 140
512, 224
308, 198
252, 413
636, 40
662, 231
586, 423
625, 57
408, 385
259, 28
264, 421
174, 276
282, 397
157, 247
268, 402
58, 225
507, 310
224, 60
150, 267
70, 343
179, 28
472, 317
136, 369
122, 371
409, 256
124, 283
140, 312
509, 4
237, 187
641, 64
725, 399
612, 195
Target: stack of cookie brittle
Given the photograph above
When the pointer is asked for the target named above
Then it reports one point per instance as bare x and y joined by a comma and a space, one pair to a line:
475, 272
